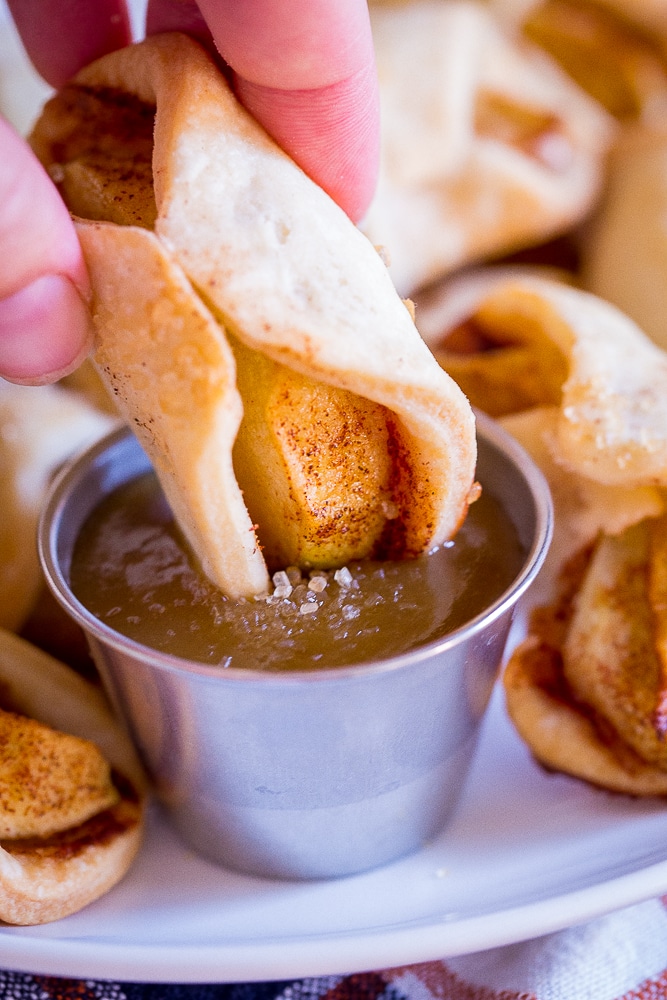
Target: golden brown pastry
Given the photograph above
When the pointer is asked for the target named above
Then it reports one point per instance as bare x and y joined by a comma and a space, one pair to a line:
51, 781
567, 348
71, 790
40, 427
232, 297
625, 251
584, 509
502, 366
587, 686
487, 148
565, 734
610, 49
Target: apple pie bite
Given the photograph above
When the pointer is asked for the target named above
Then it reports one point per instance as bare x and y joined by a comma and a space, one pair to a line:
250, 333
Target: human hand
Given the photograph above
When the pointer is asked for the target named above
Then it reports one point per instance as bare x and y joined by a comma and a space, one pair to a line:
304, 70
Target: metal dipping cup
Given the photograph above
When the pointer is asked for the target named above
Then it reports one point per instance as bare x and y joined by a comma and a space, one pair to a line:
307, 775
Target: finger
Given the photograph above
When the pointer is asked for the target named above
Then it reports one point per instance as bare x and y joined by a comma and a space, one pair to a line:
329, 132
44, 323
178, 15
61, 37
306, 71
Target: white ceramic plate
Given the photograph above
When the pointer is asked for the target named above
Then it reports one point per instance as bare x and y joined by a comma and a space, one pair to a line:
527, 853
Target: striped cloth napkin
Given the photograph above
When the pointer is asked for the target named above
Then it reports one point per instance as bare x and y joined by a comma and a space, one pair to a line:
622, 956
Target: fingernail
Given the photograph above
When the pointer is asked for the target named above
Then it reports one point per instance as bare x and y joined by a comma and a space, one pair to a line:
45, 331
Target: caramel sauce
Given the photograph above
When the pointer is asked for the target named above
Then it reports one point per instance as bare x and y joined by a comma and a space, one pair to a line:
133, 571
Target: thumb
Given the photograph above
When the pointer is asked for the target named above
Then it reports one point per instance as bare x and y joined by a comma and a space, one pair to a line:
44, 322
306, 71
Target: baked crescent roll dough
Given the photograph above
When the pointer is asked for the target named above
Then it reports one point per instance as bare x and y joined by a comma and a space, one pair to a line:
487, 146
648, 15
625, 252
583, 508
607, 49
587, 687
50, 874
566, 736
239, 246
40, 427
549, 344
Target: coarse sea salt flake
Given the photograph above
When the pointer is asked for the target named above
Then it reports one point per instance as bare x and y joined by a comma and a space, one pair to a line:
343, 577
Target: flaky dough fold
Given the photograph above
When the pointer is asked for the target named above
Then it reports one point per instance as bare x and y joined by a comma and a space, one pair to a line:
276, 266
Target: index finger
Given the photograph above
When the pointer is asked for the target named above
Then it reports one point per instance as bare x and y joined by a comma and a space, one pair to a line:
60, 38
306, 72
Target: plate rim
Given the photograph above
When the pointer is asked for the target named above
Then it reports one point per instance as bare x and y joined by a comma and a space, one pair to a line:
339, 952
332, 954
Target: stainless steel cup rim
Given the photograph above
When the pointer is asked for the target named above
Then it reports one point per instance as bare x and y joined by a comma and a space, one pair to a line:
73, 471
